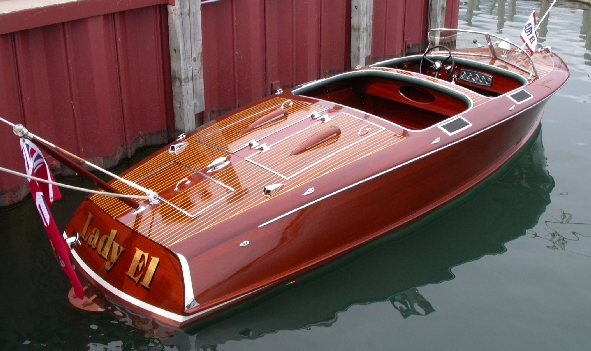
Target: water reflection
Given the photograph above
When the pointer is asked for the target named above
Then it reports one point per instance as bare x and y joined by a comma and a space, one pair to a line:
473, 6
411, 303
506, 11
394, 268
544, 6
559, 232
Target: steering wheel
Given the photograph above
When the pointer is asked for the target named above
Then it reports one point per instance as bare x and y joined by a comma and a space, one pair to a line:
437, 65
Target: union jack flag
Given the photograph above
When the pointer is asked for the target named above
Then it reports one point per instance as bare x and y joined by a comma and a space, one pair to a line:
36, 166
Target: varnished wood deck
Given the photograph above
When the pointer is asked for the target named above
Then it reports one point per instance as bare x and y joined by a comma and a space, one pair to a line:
162, 173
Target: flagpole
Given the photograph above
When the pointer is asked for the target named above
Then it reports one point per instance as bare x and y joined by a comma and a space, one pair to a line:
53, 150
84, 173
545, 15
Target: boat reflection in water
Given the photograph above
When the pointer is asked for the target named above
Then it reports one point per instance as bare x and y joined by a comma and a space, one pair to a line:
393, 268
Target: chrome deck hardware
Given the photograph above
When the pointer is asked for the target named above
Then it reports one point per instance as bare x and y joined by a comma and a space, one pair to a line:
253, 144
271, 189
176, 149
184, 180
316, 115
217, 164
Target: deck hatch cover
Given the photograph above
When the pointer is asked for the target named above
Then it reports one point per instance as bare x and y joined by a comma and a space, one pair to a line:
520, 96
279, 160
455, 126
189, 191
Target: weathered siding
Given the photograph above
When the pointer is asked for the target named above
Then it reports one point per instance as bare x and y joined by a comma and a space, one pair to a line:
95, 86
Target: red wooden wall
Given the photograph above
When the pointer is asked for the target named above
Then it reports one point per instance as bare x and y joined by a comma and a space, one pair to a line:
98, 87
251, 48
400, 26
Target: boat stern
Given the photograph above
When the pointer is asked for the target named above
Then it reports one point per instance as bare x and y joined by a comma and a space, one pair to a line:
129, 268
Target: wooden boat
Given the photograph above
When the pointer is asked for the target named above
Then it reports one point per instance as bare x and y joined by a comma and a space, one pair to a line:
276, 188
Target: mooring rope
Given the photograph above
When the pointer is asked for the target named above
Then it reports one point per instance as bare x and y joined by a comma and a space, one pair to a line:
22, 132
62, 185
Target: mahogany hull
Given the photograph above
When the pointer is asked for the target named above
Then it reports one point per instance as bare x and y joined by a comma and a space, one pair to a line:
220, 236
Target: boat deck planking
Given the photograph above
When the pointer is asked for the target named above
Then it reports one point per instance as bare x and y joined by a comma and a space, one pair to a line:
169, 226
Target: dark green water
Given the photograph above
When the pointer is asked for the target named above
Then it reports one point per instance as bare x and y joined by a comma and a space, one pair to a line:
506, 267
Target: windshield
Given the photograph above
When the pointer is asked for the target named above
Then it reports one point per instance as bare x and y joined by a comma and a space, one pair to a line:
462, 42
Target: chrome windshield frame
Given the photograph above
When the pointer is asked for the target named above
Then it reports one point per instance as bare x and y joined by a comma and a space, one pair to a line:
532, 73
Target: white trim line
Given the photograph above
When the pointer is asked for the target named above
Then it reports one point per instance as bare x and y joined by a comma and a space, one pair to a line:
146, 306
120, 294
189, 295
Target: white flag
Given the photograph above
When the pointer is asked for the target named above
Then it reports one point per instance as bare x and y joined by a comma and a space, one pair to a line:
528, 35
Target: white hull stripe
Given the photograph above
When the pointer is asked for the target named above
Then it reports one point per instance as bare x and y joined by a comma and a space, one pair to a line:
146, 306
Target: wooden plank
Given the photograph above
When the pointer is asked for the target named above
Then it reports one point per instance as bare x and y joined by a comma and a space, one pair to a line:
12, 189
335, 23
248, 51
388, 26
218, 44
197, 56
361, 31
280, 43
141, 74
186, 62
416, 18
437, 13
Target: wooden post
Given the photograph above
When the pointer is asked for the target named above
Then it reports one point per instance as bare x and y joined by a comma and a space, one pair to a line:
184, 22
361, 26
437, 13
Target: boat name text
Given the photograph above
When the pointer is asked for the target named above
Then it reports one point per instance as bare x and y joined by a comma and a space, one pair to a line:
143, 266
102, 244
